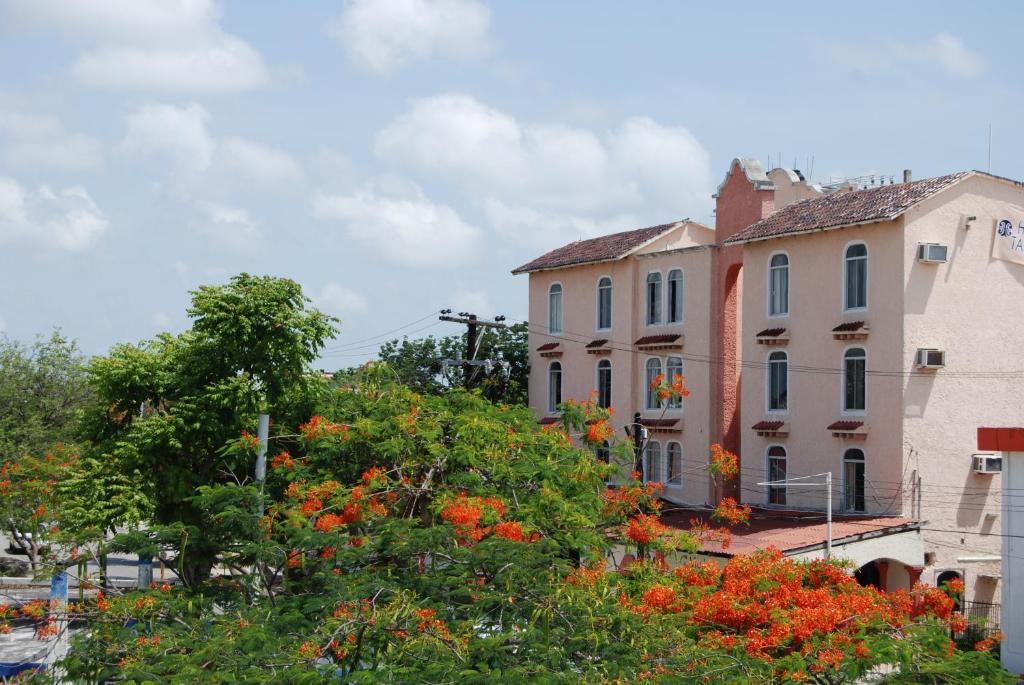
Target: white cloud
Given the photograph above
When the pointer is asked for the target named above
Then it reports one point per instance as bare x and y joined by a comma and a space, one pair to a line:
231, 226
544, 183
383, 35
175, 132
40, 140
891, 56
180, 134
405, 229
67, 220
335, 298
159, 46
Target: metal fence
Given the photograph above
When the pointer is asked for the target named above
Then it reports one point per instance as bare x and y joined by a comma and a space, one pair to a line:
982, 617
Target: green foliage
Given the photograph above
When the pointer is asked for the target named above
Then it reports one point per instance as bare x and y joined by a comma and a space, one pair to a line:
416, 363
412, 538
167, 408
42, 389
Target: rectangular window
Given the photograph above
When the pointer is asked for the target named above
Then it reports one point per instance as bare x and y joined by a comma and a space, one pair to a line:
675, 463
604, 383
674, 368
604, 303
778, 382
653, 299
777, 474
654, 465
555, 309
778, 295
653, 371
854, 483
855, 381
675, 296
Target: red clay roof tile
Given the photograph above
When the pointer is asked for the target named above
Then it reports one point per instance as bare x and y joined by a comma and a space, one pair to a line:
848, 327
597, 343
883, 203
547, 346
659, 423
767, 425
600, 249
657, 339
770, 333
845, 425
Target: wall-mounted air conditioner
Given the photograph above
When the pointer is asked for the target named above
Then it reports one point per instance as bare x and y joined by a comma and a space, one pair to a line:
930, 359
932, 253
987, 463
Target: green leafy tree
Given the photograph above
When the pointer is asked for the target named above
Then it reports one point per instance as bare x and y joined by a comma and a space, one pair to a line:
412, 538
42, 389
417, 363
167, 408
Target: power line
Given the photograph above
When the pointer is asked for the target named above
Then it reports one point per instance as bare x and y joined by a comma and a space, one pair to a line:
381, 335
582, 338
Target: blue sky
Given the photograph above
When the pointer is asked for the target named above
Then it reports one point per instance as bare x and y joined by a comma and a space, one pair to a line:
401, 156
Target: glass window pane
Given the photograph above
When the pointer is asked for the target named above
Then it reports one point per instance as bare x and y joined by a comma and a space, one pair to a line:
654, 298
675, 463
604, 303
855, 380
554, 386
675, 296
604, 383
674, 368
653, 371
778, 382
654, 463
555, 309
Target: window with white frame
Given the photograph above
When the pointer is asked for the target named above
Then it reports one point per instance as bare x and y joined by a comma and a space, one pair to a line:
674, 455
776, 456
853, 480
554, 386
856, 277
653, 298
604, 303
555, 308
778, 285
604, 383
778, 381
674, 368
604, 453
675, 296
855, 379
653, 460
653, 371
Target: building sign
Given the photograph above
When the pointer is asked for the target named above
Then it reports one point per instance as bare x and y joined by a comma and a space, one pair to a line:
1009, 242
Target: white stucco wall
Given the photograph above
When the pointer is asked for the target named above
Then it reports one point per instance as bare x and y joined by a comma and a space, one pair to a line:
971, 307
1013, 568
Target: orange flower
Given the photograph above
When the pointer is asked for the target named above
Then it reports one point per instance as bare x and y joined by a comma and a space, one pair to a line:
658, 380
643, 529
282, 460
732, 513
510, 530
723, 462
599, 432
662, 598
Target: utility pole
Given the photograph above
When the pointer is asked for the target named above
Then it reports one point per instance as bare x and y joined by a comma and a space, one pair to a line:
471, 363
638, 432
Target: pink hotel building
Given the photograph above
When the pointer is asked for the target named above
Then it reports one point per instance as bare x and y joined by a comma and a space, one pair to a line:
863, 333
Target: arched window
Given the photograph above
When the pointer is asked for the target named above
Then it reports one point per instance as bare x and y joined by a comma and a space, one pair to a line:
675, 464
778, 285
856, 276
555, 308
653, 371
653, 298
855, 379
604, 453
675, 296
654, 466
853, 480
946, 577
776, 456
604, 303
673, 368
604, 383
778, 381
554, 386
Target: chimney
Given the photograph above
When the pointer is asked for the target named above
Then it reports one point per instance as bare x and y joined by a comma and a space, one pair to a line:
906, 175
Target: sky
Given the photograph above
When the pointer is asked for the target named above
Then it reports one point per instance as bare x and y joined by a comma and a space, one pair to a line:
397, 157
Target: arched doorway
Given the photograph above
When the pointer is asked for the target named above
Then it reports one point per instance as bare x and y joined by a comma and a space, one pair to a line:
869, 574
945, 577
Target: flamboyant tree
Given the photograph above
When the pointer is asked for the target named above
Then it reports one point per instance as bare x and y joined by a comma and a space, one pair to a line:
408, 538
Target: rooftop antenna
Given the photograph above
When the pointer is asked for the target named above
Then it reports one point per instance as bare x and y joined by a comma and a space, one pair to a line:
989, 169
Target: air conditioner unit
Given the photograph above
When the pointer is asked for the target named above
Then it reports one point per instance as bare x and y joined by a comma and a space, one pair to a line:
932, 253
931, 359
987, 463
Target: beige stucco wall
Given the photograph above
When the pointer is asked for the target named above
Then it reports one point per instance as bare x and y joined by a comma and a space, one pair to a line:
684, 248
815, 399
971, 307
789, 188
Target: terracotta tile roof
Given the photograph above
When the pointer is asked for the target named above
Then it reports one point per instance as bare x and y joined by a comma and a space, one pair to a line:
767, 425
548, 420
844, 425
602, 249
657, 339
547, 346
883, 203
790, 531
848, 327
597, 343
770, 333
